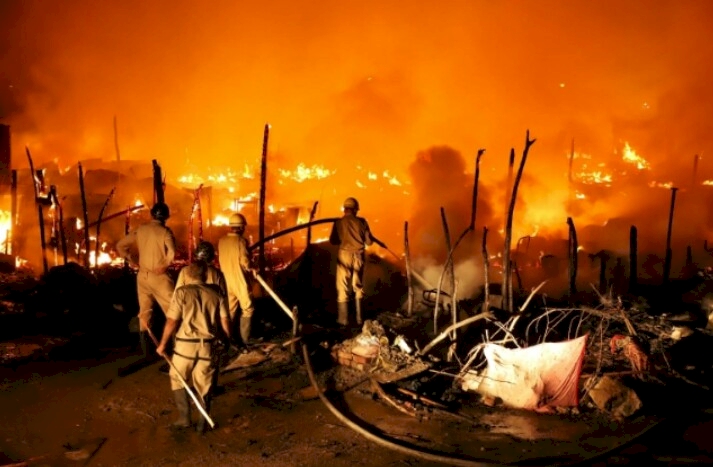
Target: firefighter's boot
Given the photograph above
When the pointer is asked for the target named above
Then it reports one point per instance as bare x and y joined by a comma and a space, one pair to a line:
245, 326
343, 313
357, 306
202, 425
184, 409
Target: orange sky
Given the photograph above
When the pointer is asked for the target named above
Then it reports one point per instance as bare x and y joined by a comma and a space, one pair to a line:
374, 84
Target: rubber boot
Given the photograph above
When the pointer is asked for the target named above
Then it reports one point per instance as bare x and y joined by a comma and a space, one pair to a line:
202, 425
184, 409
245, 325
343, 313
357, 305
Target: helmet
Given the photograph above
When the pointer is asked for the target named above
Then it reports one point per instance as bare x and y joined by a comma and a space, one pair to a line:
205, 251
160, 211
351, 203
237, 220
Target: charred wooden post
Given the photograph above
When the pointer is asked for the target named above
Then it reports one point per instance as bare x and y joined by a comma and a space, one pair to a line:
195, 207
507, 279
312, 213
97, 242
667, 261
409, 281
209, 202
689, 256
486, 272
447, 267
116, 141
573, 258
158, 185
474, 204
85, 215
603, 259
62, 236
200, 215
633, 259
40, 214
261, 211
13, 212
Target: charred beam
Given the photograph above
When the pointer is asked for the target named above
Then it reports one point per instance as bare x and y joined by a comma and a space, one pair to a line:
85, 215
311, 218
486, 272
409, 281
507, 279
40, 214
261, 206
13, 211
97, 243
573, 258
158, 185
60, 213
667, 261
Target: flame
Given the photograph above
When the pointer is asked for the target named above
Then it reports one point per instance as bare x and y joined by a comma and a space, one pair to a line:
595, 178
79, 224
372, 176
631, 157
221, 220
580, 195
666, 185
708, 182
5, 228
302, 173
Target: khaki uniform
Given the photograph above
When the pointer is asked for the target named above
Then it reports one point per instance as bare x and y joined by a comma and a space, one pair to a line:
157, 248
352, 234
199, 309
213, 277
235, 262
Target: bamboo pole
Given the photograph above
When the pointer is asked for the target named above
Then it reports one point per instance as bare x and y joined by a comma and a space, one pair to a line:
13, 211
486, 274
295, 330
191, 222
633, 260
573, 258
85, 215
277, 299
261, 206
60, 212
311, 218
158, 184
570, 180
667, 261
453, 327
97, 243
116, 141
409, 281
508, 226
40, 214
447, 267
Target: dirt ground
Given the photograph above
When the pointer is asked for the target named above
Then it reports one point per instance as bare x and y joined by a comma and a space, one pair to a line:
80, 412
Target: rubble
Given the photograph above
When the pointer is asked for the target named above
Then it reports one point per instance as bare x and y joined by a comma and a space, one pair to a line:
613, 397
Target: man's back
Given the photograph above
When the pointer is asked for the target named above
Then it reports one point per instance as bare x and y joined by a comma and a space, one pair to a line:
198, 307
351, 233
232, 253
156, 246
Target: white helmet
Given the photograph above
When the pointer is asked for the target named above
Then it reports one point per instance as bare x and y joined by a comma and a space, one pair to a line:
351, 203
237, 220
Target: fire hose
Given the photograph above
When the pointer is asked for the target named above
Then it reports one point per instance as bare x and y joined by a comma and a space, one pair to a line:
184, 383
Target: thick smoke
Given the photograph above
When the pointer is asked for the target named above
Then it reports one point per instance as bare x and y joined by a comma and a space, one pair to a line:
365, 88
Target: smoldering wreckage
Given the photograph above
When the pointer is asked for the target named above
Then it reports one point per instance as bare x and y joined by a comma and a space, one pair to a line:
598, 357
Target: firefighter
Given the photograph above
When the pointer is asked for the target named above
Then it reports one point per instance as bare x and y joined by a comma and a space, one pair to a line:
235, 264
198, 315
205, 252
352, 234
157, 248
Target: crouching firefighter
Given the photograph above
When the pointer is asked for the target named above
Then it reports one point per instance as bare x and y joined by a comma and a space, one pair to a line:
198, 316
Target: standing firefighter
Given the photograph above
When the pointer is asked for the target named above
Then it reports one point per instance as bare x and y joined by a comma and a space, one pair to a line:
196, 315
157, 248
352, 235
235, 264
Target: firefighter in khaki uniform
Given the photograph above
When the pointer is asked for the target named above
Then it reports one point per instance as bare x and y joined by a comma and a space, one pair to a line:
157, 248
235, 264
352, 234
205, 252
198, 315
